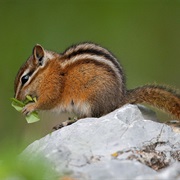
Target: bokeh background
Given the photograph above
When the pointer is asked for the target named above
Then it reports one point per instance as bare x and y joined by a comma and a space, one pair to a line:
144, 35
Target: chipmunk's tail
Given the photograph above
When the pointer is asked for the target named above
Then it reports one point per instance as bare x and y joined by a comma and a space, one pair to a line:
162, 97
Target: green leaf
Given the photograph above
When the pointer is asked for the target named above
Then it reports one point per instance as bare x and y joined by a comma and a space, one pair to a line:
29, 98
35, 99
15, 101
33, 117
18, 105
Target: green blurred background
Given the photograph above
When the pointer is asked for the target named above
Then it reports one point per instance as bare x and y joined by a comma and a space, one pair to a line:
144, 35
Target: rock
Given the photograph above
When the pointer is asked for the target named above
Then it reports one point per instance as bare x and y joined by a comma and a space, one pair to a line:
121, 144
172, 172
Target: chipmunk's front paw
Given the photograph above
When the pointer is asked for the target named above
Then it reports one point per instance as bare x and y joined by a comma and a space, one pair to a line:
29, 108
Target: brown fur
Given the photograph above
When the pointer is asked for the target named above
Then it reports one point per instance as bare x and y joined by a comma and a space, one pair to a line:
162, 97
92, 83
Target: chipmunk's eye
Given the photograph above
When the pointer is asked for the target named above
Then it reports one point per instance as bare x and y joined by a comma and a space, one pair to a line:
25, 78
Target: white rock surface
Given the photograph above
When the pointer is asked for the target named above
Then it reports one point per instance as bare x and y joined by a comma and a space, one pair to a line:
120, 145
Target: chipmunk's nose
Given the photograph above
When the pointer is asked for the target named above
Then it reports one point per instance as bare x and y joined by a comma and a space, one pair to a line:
18, 97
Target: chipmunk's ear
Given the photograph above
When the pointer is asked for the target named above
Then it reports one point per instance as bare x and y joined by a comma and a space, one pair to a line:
38, 53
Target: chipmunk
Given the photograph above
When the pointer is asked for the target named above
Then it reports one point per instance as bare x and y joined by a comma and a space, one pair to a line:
85, 79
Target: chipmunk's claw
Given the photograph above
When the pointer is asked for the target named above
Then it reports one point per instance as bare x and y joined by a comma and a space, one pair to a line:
29, 108
65, 123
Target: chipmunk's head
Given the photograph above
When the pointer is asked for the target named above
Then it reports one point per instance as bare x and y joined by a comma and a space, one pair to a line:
30, 73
